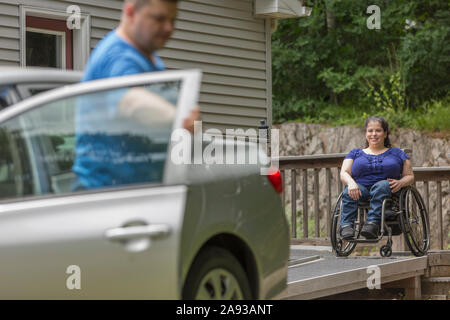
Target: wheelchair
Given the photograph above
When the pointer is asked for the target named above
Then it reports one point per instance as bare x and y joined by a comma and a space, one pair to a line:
403, 213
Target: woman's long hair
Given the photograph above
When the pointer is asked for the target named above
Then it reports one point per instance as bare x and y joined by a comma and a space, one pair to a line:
384, 125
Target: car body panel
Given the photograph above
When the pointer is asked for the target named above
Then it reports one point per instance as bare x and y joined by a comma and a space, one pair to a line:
41, 239
259, 224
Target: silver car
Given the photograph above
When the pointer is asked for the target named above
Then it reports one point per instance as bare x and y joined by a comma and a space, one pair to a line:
194, 231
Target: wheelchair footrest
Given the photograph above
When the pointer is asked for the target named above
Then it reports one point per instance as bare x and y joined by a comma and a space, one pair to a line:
364, 240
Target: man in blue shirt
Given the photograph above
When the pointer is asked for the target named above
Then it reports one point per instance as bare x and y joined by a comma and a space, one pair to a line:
145, 27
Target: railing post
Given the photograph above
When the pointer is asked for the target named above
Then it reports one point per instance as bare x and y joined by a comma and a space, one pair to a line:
316, 203
305, 203
283, 194
439, 216
293, 203
427, 196
328, 178
339, 183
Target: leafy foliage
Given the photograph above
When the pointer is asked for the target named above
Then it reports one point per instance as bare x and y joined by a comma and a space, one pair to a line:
331, 66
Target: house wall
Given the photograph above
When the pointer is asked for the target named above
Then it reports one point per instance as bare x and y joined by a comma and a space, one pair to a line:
221, 37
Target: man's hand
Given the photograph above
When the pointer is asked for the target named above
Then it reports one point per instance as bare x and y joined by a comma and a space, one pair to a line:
395, 185
188, 123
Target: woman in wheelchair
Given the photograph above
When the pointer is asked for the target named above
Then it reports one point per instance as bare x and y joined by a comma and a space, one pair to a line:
373, 173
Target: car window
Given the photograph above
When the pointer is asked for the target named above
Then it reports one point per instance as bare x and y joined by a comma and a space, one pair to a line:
101, 139
27, 90
15, 171
6, 96
37, 91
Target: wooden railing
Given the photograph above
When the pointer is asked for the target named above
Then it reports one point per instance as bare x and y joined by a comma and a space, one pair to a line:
293, 166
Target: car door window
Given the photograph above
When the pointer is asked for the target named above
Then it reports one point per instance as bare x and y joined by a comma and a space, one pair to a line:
15, 171
27, 90
6, 96
101, 139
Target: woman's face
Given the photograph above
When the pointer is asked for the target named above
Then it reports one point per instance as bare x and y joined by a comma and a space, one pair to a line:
375, 134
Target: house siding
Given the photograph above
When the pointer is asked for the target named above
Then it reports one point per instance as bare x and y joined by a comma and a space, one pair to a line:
220, 37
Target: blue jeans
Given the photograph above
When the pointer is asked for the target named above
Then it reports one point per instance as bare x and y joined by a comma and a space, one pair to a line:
377, 193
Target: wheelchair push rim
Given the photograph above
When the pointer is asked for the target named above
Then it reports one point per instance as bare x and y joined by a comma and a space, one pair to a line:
341, 247
414, 221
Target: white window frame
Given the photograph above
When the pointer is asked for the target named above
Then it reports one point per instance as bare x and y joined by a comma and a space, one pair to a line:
56, 33
81, 37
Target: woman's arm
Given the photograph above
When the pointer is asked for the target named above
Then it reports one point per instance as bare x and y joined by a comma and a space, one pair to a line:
346, 172
346, 178
406, 180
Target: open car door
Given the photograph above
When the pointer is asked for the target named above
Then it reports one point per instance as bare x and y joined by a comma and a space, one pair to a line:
118, 241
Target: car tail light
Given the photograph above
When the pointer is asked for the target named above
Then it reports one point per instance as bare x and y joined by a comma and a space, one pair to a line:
275, 178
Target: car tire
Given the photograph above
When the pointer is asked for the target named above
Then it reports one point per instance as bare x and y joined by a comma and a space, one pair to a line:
216, 274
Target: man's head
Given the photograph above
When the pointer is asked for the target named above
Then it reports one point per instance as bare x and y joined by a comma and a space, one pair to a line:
148, 24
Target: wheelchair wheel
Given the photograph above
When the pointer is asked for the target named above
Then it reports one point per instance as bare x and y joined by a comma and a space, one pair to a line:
341, 247
414, 221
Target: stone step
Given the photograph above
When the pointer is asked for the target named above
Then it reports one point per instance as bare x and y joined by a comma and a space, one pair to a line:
436, 286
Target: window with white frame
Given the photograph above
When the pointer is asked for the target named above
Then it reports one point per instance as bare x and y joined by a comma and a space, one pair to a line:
48, 43
48, 40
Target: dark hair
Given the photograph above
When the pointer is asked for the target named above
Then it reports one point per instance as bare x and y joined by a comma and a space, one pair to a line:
384, 125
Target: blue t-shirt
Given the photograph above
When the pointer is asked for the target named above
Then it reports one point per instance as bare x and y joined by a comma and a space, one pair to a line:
114, 57
108, 159
369, 169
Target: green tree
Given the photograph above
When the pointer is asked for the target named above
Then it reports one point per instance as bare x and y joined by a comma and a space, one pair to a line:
329, 58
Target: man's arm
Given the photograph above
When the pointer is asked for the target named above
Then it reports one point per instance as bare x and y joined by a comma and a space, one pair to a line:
146, 108
149, 109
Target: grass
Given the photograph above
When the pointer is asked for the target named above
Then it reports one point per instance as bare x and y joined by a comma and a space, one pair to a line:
433, 117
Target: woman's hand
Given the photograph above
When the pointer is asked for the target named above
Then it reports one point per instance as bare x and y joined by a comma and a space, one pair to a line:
395, 185
353, 191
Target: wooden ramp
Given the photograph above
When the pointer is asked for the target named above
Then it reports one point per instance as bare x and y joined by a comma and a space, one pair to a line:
314, 272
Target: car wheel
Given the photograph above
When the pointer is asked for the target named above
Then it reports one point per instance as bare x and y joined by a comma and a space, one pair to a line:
216, 274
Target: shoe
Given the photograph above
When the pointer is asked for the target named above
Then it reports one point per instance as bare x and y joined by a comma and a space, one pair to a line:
347, 233
370, 230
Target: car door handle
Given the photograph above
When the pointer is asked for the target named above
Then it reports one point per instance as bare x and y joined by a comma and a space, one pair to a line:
149, 231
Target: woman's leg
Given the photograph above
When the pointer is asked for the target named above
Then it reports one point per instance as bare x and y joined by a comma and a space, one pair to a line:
378, 192
350, 206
